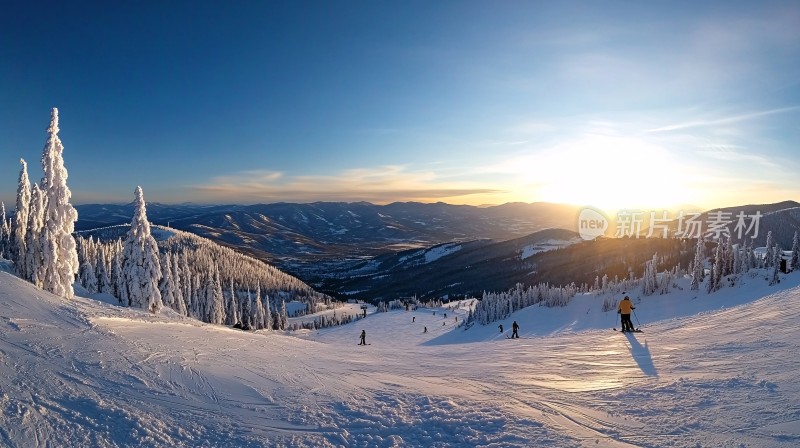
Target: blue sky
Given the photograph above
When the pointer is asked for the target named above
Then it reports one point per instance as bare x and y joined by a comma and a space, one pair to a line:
610, 104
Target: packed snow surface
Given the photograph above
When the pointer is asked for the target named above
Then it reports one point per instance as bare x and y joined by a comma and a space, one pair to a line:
715, 370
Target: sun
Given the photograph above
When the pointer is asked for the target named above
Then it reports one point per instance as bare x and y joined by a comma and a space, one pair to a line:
609, 173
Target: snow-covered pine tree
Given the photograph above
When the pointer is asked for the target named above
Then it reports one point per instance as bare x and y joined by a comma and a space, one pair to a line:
769, 258
167, 285
711, 278
267, 313
776, 265
198, 308
794, 263
284, 318
141, 268
5, 232
744, 258
719, 267
232, 316
649, 280
753, 261
59, 254
699, 260
216, 313
186, 283
258, 311
728, 267
21, 219
118, 280
88, 277
247, 312
188, 294
103, 279
33, 242
179, 302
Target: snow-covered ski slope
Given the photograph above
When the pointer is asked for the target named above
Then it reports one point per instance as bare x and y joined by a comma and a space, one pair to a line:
85, 373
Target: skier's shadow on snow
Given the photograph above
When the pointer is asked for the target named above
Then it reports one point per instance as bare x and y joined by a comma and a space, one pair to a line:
641, 354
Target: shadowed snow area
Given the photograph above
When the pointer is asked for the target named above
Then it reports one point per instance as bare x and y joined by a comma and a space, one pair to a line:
708, 370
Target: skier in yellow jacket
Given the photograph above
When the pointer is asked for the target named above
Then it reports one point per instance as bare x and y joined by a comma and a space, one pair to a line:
624, 309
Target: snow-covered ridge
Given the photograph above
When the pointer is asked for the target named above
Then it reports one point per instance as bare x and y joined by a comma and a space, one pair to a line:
544, 246
429, 255
160, 233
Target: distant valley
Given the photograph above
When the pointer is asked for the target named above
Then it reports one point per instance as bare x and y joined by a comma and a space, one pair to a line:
366, 251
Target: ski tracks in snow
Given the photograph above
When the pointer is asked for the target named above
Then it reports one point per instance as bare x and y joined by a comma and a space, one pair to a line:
82, 374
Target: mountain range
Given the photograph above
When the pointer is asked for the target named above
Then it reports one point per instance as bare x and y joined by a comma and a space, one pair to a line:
368, 251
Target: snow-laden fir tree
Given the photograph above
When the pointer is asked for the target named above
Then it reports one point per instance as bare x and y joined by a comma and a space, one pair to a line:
744, 258
88, 276
794, 263
728, 267
247, 312
776, 265
179, 302
232, 315
33, 241
769, 258
21, 219
267, 313
186, 282
752, 260
197, 310
283, 317
718, 270
141, 268
167, 284
103, 279
5, 232
188, 291
699, 260
59, 254
258, 311
118, 280
710, 283
649, 280
214, 300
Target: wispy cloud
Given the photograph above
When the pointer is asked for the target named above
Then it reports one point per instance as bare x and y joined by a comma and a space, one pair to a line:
379, 185
733, 153
723, 120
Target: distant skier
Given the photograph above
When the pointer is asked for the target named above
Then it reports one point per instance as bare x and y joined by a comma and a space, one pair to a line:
413, 319
425, 330
445, 315
363, 337
514, 330
624, 310
501, 327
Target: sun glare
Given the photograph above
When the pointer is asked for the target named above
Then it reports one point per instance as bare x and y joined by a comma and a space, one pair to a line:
610, 173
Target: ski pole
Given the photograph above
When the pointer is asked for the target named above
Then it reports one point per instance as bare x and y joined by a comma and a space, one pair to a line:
637, 318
